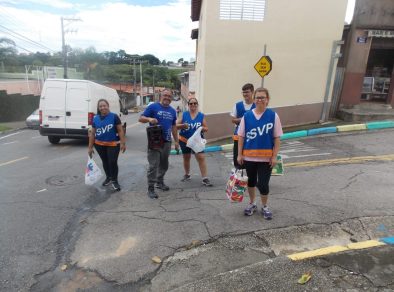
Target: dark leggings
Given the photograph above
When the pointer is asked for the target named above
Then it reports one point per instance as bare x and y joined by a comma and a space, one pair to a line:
259, 174
109, 157
235, 154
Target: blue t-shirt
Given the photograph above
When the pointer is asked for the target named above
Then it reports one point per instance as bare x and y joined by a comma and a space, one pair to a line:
166, 116
106, 127
193, 124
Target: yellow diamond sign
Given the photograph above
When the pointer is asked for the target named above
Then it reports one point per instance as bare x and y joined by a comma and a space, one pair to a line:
263, 66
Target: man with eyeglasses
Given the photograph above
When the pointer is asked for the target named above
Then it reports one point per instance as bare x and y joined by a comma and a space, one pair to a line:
239, 110
162, 114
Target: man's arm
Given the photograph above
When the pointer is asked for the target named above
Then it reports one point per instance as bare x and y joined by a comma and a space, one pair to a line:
174, 131
145, 120
236, 120
234, 114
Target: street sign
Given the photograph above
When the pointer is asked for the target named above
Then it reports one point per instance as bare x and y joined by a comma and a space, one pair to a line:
263, 66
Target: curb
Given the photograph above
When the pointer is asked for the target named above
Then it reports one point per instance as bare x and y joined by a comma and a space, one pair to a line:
338, 248
317, 131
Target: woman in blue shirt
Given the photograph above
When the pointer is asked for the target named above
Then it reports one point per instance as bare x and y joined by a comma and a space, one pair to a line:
108, 138
188, 123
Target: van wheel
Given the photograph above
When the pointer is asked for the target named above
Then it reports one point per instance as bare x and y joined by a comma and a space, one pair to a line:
53, 139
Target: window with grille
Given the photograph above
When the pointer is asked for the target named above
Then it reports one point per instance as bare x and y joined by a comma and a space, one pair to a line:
242, 10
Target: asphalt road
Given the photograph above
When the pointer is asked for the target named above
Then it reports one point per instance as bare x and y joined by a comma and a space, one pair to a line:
43, 197
45, 208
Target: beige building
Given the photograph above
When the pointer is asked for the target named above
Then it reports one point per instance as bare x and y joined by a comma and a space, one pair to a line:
299, 37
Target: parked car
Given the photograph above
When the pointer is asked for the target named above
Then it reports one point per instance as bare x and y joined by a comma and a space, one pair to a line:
33, 121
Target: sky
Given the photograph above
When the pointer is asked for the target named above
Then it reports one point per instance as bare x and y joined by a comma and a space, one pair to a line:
158, 27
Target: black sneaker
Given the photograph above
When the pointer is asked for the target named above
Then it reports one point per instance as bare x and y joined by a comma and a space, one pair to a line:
186, 177
116, 186
206, 182
107, 182
151, 193
162, 187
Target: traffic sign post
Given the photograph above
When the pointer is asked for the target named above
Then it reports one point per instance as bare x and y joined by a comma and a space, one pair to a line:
263, 66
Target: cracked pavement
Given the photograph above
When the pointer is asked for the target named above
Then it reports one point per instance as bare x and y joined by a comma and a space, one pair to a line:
107, 240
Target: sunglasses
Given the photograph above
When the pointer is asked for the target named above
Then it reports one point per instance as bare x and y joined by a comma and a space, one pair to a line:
261, 97
193, 103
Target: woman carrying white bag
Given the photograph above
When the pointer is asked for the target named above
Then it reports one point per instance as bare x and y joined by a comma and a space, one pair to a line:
193, 122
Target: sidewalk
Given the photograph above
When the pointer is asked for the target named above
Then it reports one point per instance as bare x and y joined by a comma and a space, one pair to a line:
205, 243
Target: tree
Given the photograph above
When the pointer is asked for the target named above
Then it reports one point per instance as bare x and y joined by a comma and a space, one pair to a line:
180, 61
152, 60
7, 48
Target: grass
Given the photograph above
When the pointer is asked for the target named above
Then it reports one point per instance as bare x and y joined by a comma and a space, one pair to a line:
3, 128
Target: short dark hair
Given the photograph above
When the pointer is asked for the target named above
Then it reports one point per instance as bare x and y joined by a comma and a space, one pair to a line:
248, 86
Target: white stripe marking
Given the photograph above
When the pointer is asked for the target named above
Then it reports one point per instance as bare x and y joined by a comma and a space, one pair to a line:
9, 143
13, 161
35, 137
299, 156
1, 138
40, 191
296, 150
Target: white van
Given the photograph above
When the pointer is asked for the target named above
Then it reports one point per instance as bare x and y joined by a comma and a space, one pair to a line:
67, 107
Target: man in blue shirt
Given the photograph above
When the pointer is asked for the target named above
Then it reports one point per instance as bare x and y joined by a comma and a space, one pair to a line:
160, 113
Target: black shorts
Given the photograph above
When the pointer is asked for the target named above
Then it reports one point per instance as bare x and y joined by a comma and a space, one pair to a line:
185, 149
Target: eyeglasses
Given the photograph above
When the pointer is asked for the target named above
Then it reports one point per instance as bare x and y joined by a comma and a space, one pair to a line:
193, 103
166, 95
261, 97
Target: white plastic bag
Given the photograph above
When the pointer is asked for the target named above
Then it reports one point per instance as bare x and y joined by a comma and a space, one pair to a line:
195, 142
92, 173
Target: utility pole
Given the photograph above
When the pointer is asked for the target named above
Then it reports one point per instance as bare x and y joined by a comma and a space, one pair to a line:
64, 48
334, 55
135, 78
140, 83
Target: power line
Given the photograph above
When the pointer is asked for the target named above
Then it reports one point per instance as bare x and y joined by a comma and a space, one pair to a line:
24, 49
29, 40
17, 38
8, 15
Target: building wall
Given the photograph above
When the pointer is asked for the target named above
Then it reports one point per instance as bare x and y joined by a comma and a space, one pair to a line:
374, 14
299, 36
368, 15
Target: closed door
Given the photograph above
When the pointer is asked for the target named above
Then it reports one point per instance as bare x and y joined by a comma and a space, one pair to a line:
77, 105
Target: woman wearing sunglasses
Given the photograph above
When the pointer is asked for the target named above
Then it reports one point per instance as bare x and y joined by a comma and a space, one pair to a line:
188, 123
258, 145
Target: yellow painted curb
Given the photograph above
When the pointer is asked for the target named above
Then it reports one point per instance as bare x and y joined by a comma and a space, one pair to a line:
365, 244
317, 252
334, 249
354, 127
